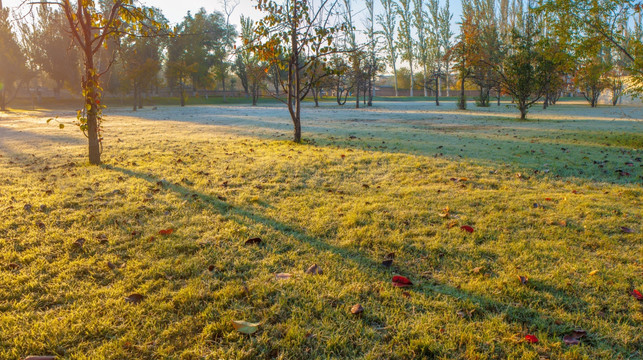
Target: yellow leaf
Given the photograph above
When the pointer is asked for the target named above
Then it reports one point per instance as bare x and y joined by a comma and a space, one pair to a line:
593, 272
246, 327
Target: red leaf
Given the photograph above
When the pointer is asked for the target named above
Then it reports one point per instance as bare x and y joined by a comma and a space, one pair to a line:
166, 231
467, 228
531, 338
401, 281
637, 295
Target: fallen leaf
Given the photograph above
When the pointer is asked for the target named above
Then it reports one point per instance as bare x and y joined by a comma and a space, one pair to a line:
477, 270
102, 239
390, 256
637, 295
531, 338
523, 279
574, 337
357, 309
40, 357
406, 294
79, 243
166, 231
401, 281
593, 272
211, 268
134, 298
253, 241
314, 270
467, 228
387, 262
283, 276
626, 230
110, 265
246, 327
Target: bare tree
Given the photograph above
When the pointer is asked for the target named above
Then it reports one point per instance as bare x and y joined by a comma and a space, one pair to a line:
405, 36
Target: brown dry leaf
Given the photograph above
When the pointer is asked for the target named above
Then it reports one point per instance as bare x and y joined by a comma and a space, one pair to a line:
134, 298
387, 262
254, 241
626, 230
13, 266
574, 337
110, 265
41, 357
102, 239
477, 270
523, 279
79, 243
357, 309
314, 270
211, 268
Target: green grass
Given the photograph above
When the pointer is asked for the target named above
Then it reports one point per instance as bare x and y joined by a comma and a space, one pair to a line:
227, 174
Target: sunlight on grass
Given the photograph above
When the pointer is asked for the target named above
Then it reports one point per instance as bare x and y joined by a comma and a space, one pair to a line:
338, 202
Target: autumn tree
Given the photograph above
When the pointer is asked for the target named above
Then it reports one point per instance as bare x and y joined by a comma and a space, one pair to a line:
288, 37
91, 23
586, 23
445, 38
249, 68
422, 26
371, 48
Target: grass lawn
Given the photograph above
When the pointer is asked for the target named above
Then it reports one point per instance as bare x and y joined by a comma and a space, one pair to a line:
556, 200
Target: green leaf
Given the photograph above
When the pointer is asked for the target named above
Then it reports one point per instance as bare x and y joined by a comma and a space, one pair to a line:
246, 327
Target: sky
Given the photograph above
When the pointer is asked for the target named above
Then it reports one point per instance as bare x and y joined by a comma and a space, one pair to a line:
175, 10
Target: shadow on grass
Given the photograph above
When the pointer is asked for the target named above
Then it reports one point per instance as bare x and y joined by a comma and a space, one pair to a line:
516, 314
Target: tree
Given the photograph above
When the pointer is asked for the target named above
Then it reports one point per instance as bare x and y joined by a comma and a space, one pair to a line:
584, 23
52, 49
522, 72
591, 79
12, 61
250, 69
405, 36
90, 26
372, 64
422, 30
221, 61
291, 32
465, 50
445, 39
141, 59
388, 22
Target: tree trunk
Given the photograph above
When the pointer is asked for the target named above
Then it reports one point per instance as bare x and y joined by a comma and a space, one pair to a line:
462, 103
437, 96
357, 95
411, 70
395, 79
426, 94
91, 79
447, 77
135, 102
224, 94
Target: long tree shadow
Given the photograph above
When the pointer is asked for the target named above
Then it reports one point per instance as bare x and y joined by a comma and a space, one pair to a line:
512, 313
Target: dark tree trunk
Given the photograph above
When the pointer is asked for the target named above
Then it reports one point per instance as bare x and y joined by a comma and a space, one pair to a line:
437, 91
462, 103
91, 79
135, 99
